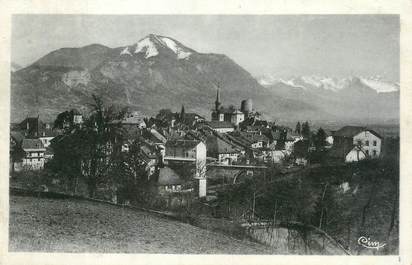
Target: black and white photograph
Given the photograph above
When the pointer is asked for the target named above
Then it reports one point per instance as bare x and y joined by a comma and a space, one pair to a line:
205, 134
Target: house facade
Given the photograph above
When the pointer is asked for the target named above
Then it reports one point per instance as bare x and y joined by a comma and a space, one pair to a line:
187, 151
190, 153
34, 154
354, 143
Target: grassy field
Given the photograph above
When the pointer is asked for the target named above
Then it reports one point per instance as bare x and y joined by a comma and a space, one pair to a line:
53, 225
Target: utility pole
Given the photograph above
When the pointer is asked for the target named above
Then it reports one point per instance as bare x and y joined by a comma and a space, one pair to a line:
254, 204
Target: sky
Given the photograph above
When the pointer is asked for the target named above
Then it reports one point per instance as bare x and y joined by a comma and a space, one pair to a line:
280, 45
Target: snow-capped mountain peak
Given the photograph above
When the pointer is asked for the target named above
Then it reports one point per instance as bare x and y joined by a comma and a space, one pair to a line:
330, 83
180, 51
152, 44
147, 46
380, 85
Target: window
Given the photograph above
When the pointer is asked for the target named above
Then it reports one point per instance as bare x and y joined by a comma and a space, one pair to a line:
367, 143
367, 152
359, 142
374, 153
374, 143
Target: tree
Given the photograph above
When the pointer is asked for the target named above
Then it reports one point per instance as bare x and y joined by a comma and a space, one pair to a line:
66, 120
131, 178
87, 151
280, 143
16, 153
300, 149
104, 134
320, 139
182, 113
298, 128
306, 130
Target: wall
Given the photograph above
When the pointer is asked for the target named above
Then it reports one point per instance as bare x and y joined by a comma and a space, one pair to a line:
365, 137
46, 141
181, 152
224, 130
202, 188
33, 160
223, 158
237, 118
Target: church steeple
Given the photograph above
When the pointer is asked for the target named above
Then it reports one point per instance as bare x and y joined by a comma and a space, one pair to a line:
217, 102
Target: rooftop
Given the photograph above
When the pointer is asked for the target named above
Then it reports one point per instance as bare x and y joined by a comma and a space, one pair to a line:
216, 145
350, 131
220, 124
32, 144
182, 143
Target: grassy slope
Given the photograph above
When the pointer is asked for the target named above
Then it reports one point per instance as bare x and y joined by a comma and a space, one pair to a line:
78, 226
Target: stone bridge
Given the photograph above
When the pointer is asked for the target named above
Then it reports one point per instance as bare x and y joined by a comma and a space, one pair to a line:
232, 174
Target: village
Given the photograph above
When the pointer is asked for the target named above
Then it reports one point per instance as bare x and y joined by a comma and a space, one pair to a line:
233, 145
237, 173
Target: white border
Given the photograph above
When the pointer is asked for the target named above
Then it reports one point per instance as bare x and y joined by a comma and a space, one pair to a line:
402, 7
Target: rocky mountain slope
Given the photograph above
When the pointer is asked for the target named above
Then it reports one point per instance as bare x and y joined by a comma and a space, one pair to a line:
156, 72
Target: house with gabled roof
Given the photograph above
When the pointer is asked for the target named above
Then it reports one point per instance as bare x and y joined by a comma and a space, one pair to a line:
355, 143
188, 153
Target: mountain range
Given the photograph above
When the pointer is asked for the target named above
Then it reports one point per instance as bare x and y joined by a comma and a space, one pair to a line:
351, 99
160, 72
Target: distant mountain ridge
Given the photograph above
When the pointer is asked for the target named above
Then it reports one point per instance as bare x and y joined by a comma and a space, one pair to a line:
330, 83
153, 73
365, 98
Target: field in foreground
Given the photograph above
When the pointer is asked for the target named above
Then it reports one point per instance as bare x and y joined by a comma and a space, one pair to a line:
53, 225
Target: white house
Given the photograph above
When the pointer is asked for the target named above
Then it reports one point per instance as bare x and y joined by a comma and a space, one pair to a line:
187, 151
34, 154
370, 142
354, 143
237, 117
